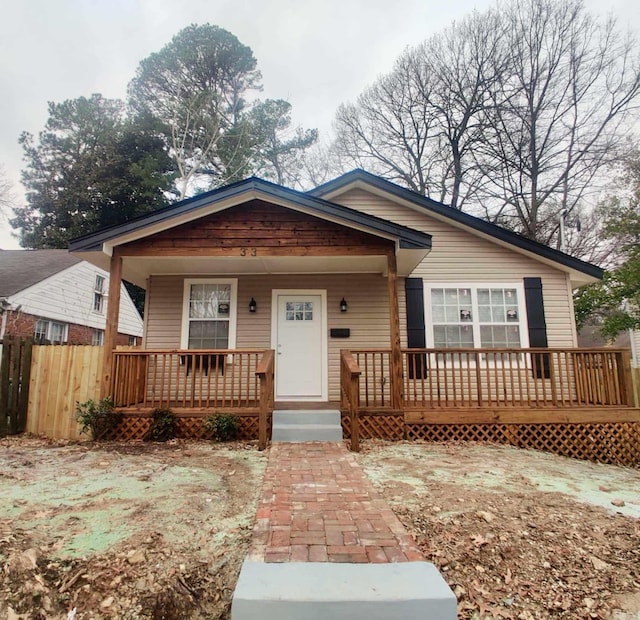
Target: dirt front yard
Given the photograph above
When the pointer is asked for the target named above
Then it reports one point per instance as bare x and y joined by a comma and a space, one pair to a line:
159, 531
124, 531
518, 534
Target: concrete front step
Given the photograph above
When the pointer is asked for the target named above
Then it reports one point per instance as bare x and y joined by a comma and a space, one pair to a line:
306, 416
306, 425
321, 590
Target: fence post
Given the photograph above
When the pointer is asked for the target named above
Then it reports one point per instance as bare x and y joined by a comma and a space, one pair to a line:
626, 381
4, 388
264, 372
22, 404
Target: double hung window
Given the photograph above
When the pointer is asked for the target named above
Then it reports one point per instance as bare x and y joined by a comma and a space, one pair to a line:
209, 310
50, 332
98, 294
480, 316
97, 337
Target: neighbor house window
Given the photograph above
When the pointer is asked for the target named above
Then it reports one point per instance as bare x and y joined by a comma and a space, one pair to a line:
50, 332
133, 341
98, 295
209, 311
479, 316
97, 337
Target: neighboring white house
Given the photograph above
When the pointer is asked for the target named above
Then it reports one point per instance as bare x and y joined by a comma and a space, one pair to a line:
58, 298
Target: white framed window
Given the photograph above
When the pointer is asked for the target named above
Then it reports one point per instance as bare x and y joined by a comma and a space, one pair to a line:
490, 316
40, 331
133, 341
97, 337
98, 294
50, 332
209, 313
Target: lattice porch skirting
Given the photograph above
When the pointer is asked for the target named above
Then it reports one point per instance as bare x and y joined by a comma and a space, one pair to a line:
615, 443
135, 427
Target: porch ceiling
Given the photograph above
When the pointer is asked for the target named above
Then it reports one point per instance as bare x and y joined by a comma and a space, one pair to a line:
138, 269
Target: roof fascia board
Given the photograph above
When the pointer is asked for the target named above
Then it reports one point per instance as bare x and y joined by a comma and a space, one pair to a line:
233, 195
459, 219
177, 220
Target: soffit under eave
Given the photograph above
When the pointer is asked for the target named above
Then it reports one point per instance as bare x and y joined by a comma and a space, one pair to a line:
138, 269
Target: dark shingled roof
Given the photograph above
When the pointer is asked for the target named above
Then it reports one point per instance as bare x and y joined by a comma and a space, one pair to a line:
20, 269
409, 238
458, 216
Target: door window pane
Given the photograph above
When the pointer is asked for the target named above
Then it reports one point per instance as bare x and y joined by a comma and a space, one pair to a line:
299, 311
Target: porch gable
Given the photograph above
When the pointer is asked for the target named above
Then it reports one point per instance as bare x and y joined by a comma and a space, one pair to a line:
261, 228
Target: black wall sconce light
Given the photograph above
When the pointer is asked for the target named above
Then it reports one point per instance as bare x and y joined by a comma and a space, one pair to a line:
343, 305
253, 306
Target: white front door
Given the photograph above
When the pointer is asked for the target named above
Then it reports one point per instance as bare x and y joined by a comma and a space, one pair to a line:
299, 339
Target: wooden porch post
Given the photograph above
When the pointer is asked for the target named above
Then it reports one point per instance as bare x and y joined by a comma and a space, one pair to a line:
397, 388
111, 328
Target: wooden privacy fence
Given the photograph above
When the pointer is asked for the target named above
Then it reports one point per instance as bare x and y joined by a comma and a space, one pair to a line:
15, 368
62, 376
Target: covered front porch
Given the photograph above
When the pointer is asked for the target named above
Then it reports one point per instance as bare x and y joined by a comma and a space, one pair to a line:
478, 394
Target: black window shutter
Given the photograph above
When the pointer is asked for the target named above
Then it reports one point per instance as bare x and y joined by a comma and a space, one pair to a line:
416, 339
537, 326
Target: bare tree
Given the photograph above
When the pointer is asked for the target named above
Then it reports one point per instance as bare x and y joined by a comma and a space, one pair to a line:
558, 116
389, 128
7, 197
321, 163
419, 124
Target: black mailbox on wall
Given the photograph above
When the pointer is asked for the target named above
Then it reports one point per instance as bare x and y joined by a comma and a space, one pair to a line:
340, 332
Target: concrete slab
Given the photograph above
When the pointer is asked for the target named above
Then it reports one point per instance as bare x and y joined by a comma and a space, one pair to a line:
321, 590
306, 425
307, 416
306, 432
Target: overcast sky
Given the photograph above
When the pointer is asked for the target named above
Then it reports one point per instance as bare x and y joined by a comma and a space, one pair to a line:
314, 53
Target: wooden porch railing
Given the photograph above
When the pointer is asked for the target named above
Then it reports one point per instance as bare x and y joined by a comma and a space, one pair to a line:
493, 378
264, 373
531, 378
350, 394
190, 381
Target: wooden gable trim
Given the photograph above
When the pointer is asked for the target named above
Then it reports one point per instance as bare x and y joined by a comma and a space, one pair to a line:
258, 228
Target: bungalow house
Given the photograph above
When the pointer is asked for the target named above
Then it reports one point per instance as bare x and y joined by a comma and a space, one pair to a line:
359, 295
56, 298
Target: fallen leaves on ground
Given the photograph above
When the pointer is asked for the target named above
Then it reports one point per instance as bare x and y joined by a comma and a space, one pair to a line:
511, 554
153, 571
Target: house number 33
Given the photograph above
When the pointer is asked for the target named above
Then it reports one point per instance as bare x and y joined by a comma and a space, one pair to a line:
248, 251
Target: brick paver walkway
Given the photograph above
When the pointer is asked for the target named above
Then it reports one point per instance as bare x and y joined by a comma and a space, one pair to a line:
317, 505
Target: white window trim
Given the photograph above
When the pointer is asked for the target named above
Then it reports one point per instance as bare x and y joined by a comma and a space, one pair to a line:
100, 292
49, 323
100, 337
184, 338
475, 324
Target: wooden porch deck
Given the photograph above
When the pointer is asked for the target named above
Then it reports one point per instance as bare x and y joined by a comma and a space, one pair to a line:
564, 400
462, 389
